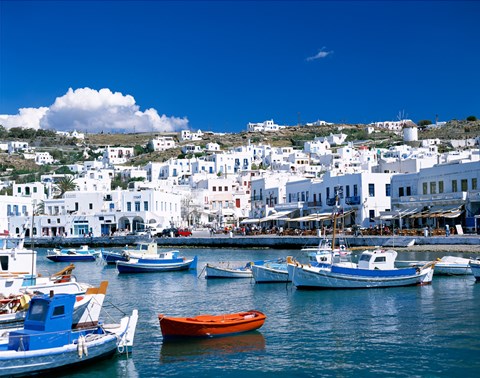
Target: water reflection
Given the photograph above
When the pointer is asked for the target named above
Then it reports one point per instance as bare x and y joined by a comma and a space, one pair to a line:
184, 349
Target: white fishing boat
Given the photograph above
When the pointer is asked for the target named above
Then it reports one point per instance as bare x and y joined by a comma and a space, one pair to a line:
475, 267
446, 265
271, 271
228, 270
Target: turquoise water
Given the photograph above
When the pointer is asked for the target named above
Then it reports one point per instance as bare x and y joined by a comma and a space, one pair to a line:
429, 331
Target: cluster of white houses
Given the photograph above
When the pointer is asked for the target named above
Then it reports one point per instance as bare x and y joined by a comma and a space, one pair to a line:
403, 186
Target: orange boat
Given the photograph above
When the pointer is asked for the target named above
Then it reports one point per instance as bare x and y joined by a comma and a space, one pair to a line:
211, 325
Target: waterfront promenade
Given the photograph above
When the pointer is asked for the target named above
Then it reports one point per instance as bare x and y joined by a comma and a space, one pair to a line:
202, 239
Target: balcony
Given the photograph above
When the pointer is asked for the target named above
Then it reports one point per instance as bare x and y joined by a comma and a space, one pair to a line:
354, 200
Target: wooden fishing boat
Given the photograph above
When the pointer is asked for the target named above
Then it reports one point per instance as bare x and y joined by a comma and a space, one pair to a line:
163, 262
50, 340
224, 270
141, 250
271, 271
211, 325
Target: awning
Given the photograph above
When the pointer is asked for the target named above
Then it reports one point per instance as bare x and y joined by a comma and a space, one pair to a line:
250, 221
439, 212
276, 216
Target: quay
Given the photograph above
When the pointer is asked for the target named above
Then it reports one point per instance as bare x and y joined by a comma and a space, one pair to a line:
201, 239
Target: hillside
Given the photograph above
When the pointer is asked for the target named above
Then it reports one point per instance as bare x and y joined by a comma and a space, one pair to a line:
292, 136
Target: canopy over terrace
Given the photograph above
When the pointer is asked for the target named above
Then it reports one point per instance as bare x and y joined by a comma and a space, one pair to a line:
281, 215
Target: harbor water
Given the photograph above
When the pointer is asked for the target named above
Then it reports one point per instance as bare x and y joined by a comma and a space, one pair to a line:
428, 331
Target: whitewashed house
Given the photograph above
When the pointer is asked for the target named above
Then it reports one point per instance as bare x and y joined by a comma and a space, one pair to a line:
161, 143
117, 155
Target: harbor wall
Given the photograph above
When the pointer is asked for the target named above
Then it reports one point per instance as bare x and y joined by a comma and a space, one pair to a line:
260, 241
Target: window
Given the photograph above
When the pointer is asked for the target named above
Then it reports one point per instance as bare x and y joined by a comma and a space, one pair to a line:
219, 188
129, 206
58, 310
371, 215
464, 185
145, 205
355, 190
225, 189
76, 206
425, 188
440, 187
34, 189
90, 206
401, 192
387, 190
409, 191
433, 187
474, 183
214, 188
137, 206
347, 191
19, 190
454, 186
371, 190
328, 193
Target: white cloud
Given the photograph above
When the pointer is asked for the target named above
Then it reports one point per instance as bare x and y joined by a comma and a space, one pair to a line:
26, 117
320, 55
89, 110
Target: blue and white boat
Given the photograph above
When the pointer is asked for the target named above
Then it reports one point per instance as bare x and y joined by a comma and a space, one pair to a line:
161, 262
49, 341
84, 253
374, 269
141, 250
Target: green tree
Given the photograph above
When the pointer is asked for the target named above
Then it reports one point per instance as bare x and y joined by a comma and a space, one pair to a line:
471, 118
65, 184
424, 122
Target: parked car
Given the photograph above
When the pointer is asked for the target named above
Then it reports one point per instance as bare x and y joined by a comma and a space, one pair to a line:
168, 232
184, 232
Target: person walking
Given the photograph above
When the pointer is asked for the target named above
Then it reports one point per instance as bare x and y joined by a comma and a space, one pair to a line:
447, 230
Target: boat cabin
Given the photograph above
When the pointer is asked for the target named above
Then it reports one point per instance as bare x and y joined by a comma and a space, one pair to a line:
377, 259
14, 258
47, 325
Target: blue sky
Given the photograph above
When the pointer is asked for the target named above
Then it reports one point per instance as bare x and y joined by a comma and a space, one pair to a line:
219, 65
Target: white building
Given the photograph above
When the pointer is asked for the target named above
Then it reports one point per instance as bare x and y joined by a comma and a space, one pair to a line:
161, 143
189, 135
117, 155
438, 195
42, 158
268, 125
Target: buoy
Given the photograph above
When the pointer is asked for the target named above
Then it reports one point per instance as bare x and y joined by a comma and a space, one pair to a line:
85, 347
80, 347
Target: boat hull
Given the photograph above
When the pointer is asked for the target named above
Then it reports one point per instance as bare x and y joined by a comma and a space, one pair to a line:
23, 363
211, 325
71, 258
221, 272
111, 258
475, 268
304, 277
150, 266
270, 274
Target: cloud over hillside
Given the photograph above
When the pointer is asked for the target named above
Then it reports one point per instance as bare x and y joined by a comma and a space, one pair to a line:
89, 110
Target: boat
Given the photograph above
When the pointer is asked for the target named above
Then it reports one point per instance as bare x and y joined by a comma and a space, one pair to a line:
50, 341
224, 270
271, 271
475, 267
141, 250
83, 253
13, 307
375, 269
211, 325
161, 262
445, 266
